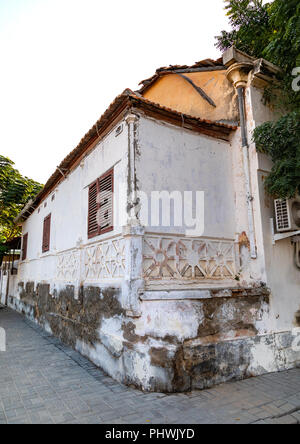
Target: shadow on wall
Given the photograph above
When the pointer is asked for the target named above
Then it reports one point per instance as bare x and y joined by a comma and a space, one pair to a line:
297, 317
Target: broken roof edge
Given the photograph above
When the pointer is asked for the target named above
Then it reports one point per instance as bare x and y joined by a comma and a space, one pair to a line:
229, 57
115, 112
203, 65
143, 102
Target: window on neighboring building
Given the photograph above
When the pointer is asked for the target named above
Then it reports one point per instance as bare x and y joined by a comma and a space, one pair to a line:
24, 246
100, 212
46, 234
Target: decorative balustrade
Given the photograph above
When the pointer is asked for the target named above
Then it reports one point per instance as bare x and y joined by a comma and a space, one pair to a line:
164, 258
171, 257
101, 261
105, 260
68, 266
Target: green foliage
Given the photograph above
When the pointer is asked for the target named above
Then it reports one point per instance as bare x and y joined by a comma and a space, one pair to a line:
283, 48
250, 27
281, 140
15, 192
272, 31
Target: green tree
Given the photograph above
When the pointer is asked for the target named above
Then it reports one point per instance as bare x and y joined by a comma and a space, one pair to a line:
15, 192
272, 31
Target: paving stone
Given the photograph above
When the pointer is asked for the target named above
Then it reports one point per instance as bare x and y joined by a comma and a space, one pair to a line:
285, 420
296, 415
43, 381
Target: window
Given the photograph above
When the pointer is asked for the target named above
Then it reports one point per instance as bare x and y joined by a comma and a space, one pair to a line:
24, 247
46, 234
100, 212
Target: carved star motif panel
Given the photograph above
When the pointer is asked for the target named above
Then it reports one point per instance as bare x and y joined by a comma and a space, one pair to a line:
68, 266
188, 259
105, 260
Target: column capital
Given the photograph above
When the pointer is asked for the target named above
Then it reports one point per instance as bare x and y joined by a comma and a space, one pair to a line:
238, 73
131, 118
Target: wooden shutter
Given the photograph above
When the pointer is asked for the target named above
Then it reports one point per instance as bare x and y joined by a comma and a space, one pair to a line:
46, 234
105, 213
93, 228
24, 247
100, 213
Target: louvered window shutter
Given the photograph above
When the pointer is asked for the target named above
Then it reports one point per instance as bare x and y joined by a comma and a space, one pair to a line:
46, 234
105, 214
100, 213
93, 210
24, 247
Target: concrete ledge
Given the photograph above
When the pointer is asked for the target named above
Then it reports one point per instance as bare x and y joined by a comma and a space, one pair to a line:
199, 294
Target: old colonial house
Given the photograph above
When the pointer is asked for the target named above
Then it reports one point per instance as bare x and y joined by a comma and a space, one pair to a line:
154, 304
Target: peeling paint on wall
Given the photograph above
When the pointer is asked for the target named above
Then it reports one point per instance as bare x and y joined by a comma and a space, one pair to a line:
172, 346
152, 307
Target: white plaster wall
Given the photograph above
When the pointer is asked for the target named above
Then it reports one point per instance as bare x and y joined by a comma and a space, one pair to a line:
276, 263
7, 282
172, 159
69, 209
3, 287
181, 319
176, 159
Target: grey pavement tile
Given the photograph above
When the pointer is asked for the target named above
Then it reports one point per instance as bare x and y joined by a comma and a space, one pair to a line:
285, 420
43, 381
296, 415
19, 420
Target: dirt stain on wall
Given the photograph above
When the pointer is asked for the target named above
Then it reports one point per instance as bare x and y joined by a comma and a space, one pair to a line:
297, 318
196, 362
71, 319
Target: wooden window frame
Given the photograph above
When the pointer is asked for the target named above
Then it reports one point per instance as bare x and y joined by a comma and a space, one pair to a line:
99, 232
46, 246
24, 247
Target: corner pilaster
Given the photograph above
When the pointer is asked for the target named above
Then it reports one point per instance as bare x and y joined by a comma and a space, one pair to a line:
133, 232
132, 122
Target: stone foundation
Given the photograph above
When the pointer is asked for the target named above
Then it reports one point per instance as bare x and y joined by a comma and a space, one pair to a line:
175, 345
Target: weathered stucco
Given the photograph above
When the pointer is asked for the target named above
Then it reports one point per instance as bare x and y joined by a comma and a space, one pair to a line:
275, 263
167, 153
176, 93
172, 346
153, 306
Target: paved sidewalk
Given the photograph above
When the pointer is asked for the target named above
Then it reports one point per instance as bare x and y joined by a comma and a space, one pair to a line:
42, 381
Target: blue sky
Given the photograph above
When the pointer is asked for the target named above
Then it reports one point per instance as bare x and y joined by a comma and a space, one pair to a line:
64, 61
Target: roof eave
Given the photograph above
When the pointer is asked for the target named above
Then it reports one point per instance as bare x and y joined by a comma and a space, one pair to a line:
115, 112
